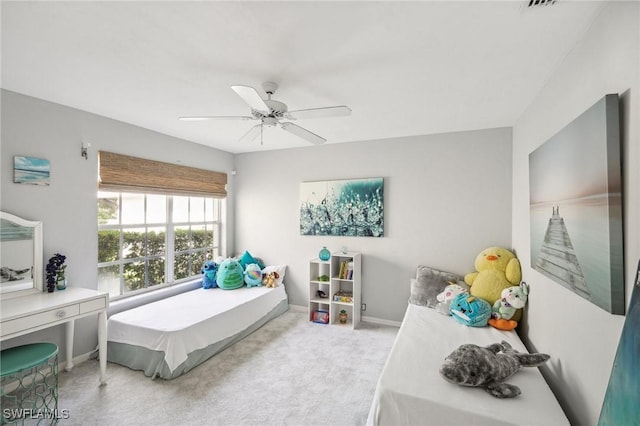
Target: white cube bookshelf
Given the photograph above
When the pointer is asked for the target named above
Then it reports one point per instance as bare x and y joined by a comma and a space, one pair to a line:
330, 277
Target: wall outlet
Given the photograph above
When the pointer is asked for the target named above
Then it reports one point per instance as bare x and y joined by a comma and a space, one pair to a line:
363, 307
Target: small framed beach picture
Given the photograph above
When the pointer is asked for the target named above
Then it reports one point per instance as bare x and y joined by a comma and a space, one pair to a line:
31, 171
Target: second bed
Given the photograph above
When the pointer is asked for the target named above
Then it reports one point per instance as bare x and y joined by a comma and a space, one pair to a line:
169, 337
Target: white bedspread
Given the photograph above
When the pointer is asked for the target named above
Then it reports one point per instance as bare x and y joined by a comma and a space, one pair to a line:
410, 390
192, 320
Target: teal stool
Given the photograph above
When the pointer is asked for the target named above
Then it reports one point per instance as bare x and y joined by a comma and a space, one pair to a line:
29, 387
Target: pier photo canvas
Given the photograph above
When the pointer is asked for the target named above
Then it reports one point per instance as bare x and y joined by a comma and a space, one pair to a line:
351, 207
575, 203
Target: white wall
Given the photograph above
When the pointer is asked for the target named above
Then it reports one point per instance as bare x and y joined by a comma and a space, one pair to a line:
68, 207
581, 337
447, 197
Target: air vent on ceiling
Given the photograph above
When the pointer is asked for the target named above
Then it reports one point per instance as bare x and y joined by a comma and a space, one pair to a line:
536, 3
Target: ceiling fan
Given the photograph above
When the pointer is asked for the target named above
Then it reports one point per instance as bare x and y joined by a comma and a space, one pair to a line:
270, 113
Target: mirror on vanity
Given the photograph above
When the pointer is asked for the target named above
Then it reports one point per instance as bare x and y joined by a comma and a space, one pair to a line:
20, 256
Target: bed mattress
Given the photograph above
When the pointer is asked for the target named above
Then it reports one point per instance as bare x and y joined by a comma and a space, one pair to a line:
410, 390
168, 337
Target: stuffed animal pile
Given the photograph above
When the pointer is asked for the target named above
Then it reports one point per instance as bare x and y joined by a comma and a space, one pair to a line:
497, 271
232, 273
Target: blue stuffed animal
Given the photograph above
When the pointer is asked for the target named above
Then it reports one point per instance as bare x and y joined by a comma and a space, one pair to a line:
230, 275
253, 275
470, 310
209, 271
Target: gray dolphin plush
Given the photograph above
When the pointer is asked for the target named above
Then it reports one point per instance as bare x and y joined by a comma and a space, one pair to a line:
472, 365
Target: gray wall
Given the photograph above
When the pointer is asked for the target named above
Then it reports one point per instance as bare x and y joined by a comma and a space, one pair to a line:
447, 197
580, 337
67, 207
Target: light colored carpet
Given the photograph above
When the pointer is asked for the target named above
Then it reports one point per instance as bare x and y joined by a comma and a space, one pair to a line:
289, 372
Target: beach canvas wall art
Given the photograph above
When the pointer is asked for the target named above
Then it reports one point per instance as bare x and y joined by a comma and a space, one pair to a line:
575, 205
353, 208
31, 171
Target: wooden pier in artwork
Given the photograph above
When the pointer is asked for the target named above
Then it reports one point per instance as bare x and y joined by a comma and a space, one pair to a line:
557, 258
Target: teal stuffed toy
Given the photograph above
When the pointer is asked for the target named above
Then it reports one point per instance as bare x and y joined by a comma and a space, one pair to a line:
209, 271
470, 310
253, 275
230, 275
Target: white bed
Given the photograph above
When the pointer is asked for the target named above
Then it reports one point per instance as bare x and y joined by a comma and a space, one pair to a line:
410, 390
169, 337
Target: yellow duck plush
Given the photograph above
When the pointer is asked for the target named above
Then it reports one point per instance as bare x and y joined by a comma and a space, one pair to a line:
496, 269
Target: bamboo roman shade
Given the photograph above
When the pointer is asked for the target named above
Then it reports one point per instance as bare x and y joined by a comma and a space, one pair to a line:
124, 173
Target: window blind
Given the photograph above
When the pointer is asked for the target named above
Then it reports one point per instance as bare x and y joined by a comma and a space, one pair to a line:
123, 173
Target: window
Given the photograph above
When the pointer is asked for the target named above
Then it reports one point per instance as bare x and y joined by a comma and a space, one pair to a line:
148, 241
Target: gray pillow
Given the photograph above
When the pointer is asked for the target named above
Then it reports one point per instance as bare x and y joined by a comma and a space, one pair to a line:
430, 282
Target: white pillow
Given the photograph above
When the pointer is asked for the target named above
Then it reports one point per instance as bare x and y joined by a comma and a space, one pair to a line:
280, 269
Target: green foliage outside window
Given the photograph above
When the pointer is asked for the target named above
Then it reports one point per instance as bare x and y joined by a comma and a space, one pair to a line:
149, 270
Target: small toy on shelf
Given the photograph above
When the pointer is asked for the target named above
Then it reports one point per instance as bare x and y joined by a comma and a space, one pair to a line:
343, 296
320, 316
321, 294
342, 317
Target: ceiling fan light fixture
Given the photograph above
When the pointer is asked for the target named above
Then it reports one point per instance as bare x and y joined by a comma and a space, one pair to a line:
270, 121
269, 112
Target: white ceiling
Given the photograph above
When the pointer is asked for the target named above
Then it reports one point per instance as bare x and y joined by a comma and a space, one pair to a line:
404, 68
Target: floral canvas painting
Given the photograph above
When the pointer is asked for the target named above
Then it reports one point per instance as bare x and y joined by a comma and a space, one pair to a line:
31, 171
352, 208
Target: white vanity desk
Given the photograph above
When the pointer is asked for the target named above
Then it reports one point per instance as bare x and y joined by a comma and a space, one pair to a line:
26, 314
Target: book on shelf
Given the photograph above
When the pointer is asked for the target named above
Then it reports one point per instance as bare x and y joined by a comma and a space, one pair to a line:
349, 272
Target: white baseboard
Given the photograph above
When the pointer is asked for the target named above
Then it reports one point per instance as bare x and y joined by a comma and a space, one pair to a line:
298, 308
373, 320
380, 321
76, 360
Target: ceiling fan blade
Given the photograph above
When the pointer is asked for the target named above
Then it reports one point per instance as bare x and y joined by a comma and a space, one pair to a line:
214, 117
251, 134
252, 98
303, 133
334, 111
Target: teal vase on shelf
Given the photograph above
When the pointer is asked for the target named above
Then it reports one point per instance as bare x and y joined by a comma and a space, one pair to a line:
324, 254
